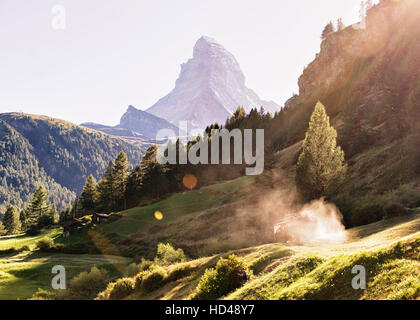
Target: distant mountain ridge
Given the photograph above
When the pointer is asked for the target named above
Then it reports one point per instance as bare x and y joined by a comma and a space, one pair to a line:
135, 123
209, 89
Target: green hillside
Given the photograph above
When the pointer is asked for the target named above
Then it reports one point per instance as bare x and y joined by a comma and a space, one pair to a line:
57, 154
199, 222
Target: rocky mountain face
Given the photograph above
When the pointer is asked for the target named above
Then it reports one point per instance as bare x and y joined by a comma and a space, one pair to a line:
209, 89
370, 76
144, 122
369, 80
135, 126
60, 155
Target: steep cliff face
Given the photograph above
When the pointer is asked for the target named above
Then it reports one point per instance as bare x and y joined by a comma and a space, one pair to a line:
373, 71
369, 80
210, 87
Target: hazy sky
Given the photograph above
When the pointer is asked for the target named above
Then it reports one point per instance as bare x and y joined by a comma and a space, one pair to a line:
113, 53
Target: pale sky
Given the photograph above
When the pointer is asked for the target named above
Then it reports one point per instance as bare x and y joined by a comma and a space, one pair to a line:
114, 53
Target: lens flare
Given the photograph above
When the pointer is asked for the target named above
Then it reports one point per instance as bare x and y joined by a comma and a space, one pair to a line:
189, 181
158, 215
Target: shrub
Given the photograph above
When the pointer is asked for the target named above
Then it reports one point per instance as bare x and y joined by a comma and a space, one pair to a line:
121, 289
138, 280
45, 244
368, 214
87, 285
219, 281
117, 290
180, 272
144, 264
43, 295
134, 269
394, 210
152, 279
166, 254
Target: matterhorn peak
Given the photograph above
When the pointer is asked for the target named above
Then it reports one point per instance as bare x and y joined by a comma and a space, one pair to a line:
210, 87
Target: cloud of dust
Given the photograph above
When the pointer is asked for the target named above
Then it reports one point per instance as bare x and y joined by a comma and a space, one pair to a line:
278, 211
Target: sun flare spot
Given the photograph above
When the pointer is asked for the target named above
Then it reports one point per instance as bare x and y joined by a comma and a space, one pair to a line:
189, 181
158, 215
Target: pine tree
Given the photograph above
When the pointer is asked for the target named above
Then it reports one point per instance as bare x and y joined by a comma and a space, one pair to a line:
22, 218
3, 230
105, 187
329, 28
321, 167
38, 207
53, 213
151, 170
11, 220
89, 196
120, 173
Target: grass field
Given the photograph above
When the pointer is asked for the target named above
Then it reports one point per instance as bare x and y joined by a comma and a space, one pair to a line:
389, 250
318, 271
22, 273
177, 206
19, 241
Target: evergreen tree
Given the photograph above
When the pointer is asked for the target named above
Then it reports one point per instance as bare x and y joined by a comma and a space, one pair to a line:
119, 177
134, 186
321, 167
38, 207
11, 220
3, 230
105, 188
329, 28
53, 213
150, 171
89, 196
22, 218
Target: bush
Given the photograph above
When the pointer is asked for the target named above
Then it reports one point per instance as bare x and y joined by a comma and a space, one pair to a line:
219, 281
166, 255
45, 244
87, 285
145, 265
134, 269
180, 272
368, 214
43, 295
117, 290
121, 289
150, 280
394, 210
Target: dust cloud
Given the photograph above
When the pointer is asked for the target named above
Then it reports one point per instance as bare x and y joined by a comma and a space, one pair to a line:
279, 212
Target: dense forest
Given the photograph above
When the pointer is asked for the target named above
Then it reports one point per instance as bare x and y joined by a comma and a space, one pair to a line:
56, 154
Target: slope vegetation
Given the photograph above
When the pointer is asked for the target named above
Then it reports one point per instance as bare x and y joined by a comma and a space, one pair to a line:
41, 150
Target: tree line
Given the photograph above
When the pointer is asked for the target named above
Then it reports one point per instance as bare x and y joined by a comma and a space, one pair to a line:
38, 214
